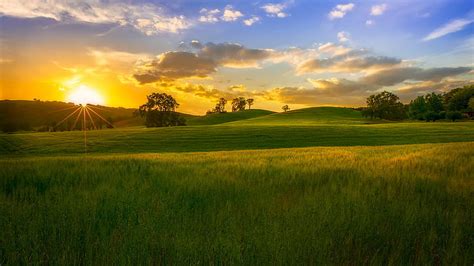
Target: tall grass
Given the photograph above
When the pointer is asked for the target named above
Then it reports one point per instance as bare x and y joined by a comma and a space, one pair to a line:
411, 204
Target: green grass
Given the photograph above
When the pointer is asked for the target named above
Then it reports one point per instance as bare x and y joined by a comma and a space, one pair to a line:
398, 205
242, 188
230, 136
310, 116
214, 119
323, 126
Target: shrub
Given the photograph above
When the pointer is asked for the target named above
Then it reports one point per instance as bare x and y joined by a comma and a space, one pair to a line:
432, 116
454, 115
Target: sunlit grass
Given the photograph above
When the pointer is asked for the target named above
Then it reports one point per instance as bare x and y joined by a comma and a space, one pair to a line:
409, 204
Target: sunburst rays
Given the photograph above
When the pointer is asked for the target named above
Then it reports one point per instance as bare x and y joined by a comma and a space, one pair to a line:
87, 113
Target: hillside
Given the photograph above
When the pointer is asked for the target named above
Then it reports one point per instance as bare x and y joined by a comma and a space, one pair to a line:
214, 119
307, 116
31, 115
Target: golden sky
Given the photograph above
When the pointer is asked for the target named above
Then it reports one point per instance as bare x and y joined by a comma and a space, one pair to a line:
300, 53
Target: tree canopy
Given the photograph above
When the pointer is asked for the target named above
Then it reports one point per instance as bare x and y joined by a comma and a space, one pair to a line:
159, 111
384, 105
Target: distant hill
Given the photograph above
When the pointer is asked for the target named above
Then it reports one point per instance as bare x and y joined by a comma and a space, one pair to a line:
220, 118
18, 115
32, 115
36, 115
313, 115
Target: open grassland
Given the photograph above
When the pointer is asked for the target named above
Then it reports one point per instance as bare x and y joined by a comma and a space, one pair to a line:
409, 204
323, 126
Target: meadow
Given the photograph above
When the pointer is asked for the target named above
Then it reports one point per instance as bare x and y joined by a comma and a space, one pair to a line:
290, 188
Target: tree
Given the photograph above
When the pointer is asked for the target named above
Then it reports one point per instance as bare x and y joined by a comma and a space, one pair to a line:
471, 104
285, 108
159, 111
417, 108
432, 116
458, 99
238, 104
434, 102
453, 115
250, 102
385, 105
220, 106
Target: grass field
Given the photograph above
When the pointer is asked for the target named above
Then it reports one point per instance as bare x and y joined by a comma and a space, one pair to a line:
300, 128
251, 191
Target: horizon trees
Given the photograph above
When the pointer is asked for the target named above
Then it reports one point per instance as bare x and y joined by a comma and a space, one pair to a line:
250, 102
219, 108
384, 105
238, 104
160, 111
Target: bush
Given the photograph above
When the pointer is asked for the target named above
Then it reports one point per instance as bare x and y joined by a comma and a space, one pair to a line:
432, 116
454, 115
442, 115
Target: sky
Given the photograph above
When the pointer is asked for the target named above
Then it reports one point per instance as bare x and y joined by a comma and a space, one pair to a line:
296, 52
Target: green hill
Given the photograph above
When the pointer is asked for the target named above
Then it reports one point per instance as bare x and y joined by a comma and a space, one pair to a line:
308, 116
32, 115
213, 119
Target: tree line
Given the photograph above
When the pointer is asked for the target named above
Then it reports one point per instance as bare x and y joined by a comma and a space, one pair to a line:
237, 104
453, 105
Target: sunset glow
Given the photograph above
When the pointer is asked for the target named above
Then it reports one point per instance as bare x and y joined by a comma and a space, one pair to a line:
85, 95
290, 52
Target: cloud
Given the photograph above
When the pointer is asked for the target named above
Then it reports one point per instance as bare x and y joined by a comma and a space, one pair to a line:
410, 90
343, 36
234, 55
378, 10
333, 49
209, 16
390, 77
204, 61
369, 22
452, 26
251, 21
230, 14
147, 18
340, 11
275, 10
325, 91
174, 65
348, 64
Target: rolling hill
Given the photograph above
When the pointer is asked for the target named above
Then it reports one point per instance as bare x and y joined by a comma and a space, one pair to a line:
217, 118
309, 116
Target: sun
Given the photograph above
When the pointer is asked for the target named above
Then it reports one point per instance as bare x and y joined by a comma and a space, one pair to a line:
84, 95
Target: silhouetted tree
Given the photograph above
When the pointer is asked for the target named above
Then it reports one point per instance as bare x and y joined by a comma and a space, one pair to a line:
250, 102
385, 105
238, 104
159, 111
285, 108
220, 106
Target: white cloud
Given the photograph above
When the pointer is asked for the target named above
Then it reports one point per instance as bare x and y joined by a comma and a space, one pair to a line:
148, 18
251, 21
340, 11
343, 36
369, 22
378, 10
209, 16
453, 26
230, 14
275, 10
